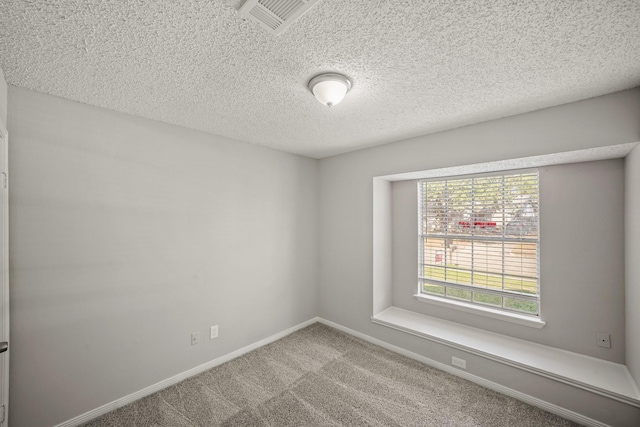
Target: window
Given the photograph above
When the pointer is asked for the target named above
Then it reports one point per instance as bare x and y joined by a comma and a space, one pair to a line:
478, 240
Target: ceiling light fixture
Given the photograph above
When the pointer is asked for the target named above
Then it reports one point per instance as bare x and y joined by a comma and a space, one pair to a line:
329, 88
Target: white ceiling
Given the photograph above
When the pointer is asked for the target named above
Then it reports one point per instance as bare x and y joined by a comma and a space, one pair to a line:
417, 66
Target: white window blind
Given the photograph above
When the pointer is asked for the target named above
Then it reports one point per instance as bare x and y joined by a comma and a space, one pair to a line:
478, 240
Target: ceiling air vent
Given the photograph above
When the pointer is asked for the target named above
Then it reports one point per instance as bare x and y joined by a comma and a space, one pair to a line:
275, 15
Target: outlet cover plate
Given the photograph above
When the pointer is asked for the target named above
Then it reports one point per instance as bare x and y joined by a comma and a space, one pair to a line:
460, 363
195, 338
604, 339
214, 332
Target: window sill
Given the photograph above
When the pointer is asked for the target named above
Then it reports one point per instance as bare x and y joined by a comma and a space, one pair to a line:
606, 378
520, 319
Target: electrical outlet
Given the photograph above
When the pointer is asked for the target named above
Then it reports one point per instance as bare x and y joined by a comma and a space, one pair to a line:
195, 338
604, 339
214, 332
460, 363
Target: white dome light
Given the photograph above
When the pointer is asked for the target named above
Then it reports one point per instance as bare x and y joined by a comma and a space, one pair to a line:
329, 88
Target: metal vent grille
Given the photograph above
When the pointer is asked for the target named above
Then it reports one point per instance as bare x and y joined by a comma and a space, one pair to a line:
275, 15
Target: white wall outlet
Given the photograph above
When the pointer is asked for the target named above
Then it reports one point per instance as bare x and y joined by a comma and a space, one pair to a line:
195, 338
460, 363
214, 332
604, 339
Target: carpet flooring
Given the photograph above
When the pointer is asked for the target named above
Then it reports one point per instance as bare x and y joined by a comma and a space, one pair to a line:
319, 376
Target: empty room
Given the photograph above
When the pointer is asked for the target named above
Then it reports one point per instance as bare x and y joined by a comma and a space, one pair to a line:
320, 213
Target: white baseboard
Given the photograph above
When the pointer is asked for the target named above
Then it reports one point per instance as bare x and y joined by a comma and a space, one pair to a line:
118, 403
534, 401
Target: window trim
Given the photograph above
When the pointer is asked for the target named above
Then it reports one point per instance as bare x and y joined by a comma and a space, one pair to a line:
471, 307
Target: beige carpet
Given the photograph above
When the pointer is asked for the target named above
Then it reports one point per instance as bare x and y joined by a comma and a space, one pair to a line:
319, 376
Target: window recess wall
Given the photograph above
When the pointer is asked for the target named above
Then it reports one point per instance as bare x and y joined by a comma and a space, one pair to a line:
581, 259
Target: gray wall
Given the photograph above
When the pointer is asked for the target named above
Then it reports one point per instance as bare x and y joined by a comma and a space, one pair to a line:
346, 202
632, 265
129, 234
581, 258
3, 100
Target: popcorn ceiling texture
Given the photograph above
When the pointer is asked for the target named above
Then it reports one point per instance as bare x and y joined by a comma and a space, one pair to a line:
417, 66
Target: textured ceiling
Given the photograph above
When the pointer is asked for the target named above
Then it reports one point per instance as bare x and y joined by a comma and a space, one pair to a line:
417, 66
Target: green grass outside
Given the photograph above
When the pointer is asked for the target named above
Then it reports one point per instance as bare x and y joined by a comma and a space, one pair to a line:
490, 281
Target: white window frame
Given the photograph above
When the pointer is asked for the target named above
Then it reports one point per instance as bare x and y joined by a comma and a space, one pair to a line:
529, 319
